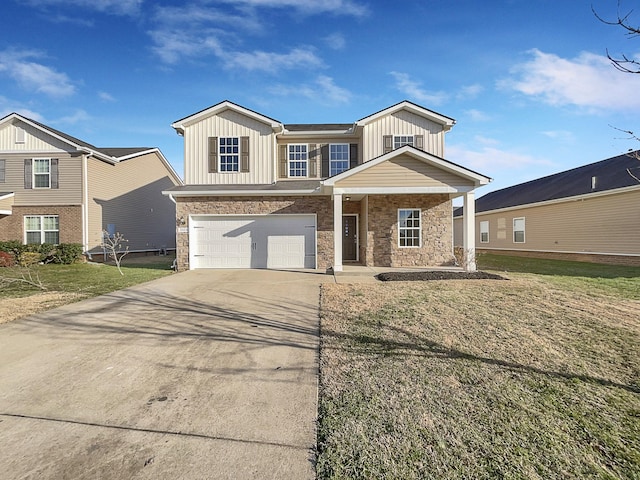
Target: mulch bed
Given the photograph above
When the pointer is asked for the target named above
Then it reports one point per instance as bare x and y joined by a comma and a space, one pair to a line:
418, 276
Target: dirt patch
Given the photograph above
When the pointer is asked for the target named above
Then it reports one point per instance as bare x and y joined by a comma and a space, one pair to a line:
441, 275
14, 308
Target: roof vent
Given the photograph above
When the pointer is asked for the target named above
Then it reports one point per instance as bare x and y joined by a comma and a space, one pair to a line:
594, 181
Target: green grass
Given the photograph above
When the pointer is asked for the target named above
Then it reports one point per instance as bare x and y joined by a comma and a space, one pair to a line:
596, 278
537, 377
87, 279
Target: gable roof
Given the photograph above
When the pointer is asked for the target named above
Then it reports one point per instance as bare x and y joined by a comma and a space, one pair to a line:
609, 174
179, 125
446, 122
418, 154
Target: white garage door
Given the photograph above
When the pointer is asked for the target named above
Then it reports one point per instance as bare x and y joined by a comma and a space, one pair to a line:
263, 241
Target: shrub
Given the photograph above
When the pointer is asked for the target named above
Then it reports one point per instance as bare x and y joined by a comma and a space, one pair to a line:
14, 247
24, 255
7, 259
27, 259
68, 253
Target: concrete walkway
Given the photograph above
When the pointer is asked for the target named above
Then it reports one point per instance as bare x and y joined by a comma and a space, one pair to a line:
200, 375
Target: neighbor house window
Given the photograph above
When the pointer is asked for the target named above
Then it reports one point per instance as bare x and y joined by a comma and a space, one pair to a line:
409, 228
42, 229
484, 232
338, 158
229, 150
41, 173
401, 140
298, 157
518, 230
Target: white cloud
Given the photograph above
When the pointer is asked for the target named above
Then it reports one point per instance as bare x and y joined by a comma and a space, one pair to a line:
272, 62
323, 90
415, 91
335, 41
490, 160
106, 97
117, 7
561, 135
171, 46
7, 107
476, 115
79, 116
470, 91
310, 7
33, 76
587, 80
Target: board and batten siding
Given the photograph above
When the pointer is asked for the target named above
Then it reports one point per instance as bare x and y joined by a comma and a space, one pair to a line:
598, 224
229, 124
35, 141
404, 171
69, 191
402, 123
129, 196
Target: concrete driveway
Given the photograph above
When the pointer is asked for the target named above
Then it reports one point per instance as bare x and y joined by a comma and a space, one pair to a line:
203, 374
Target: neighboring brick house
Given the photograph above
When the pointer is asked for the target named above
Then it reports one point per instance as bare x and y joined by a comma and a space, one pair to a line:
589, 213
262, 194
55, 188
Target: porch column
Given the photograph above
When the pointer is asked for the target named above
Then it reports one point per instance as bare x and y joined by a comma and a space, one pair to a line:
469, 232
337, 232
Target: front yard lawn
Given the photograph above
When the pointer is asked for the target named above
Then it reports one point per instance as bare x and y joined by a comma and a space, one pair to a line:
70, 283
534, 377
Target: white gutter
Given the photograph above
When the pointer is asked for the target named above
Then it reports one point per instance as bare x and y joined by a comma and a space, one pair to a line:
237, 193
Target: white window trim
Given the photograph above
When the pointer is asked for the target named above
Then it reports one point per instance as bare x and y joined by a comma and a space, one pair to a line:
413, 140
332, 161
306, 161
524, 230
34, 173
220, 155
42, 229
411, 228
485, 223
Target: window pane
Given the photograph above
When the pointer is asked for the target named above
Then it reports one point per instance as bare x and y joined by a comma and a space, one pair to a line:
51, 237
40, 165
33, 237
41, 181
32, 223
50, 223
518, 236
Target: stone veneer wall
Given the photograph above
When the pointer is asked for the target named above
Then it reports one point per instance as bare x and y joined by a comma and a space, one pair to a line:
70, 222
320, 205
437, 231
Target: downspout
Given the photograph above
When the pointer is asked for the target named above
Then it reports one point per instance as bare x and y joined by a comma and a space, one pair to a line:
85, 205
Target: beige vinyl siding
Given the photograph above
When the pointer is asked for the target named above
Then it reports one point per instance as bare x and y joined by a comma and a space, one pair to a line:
229, 124
128, 195
403, 171
35, 140
6, 203
69, 179
402, 123
598, 224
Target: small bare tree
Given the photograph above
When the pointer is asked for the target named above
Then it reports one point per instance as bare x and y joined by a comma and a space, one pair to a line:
112, 245
624, 63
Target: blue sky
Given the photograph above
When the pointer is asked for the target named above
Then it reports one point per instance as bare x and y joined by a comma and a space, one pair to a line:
527, 81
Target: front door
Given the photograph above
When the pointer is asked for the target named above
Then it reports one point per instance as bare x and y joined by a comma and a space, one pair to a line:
349, 238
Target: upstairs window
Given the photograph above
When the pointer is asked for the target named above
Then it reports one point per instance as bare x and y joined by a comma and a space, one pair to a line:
338, 158
484, 232
298, 160
401, 140
41, 173
42, 229
518, 230
229, 150
409, 228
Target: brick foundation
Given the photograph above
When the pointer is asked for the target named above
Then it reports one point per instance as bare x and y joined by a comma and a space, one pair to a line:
70, 218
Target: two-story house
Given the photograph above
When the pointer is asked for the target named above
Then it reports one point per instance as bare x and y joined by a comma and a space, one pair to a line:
55, 188
262, 194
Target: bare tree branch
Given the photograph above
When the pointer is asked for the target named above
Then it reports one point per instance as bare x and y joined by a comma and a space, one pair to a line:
624, 64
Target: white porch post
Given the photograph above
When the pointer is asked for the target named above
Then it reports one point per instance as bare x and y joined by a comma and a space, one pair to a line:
469, 232
337, 232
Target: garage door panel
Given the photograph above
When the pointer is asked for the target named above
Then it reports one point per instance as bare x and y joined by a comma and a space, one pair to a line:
267, 241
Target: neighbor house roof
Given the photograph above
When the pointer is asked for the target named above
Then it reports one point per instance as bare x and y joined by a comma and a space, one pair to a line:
610, 174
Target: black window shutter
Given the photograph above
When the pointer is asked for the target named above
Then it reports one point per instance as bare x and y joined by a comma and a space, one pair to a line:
324, 150
244, 154
2, 170
419, 142
54, 173
353, 155
213, 154
28, 178
282, 153
387, 143
313, 160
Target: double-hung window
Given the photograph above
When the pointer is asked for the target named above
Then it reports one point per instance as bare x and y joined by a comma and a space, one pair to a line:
42, 229
298, 160
484, 232
518, 230
401, 140
338, 158
229, 150
41, 173
409, 228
